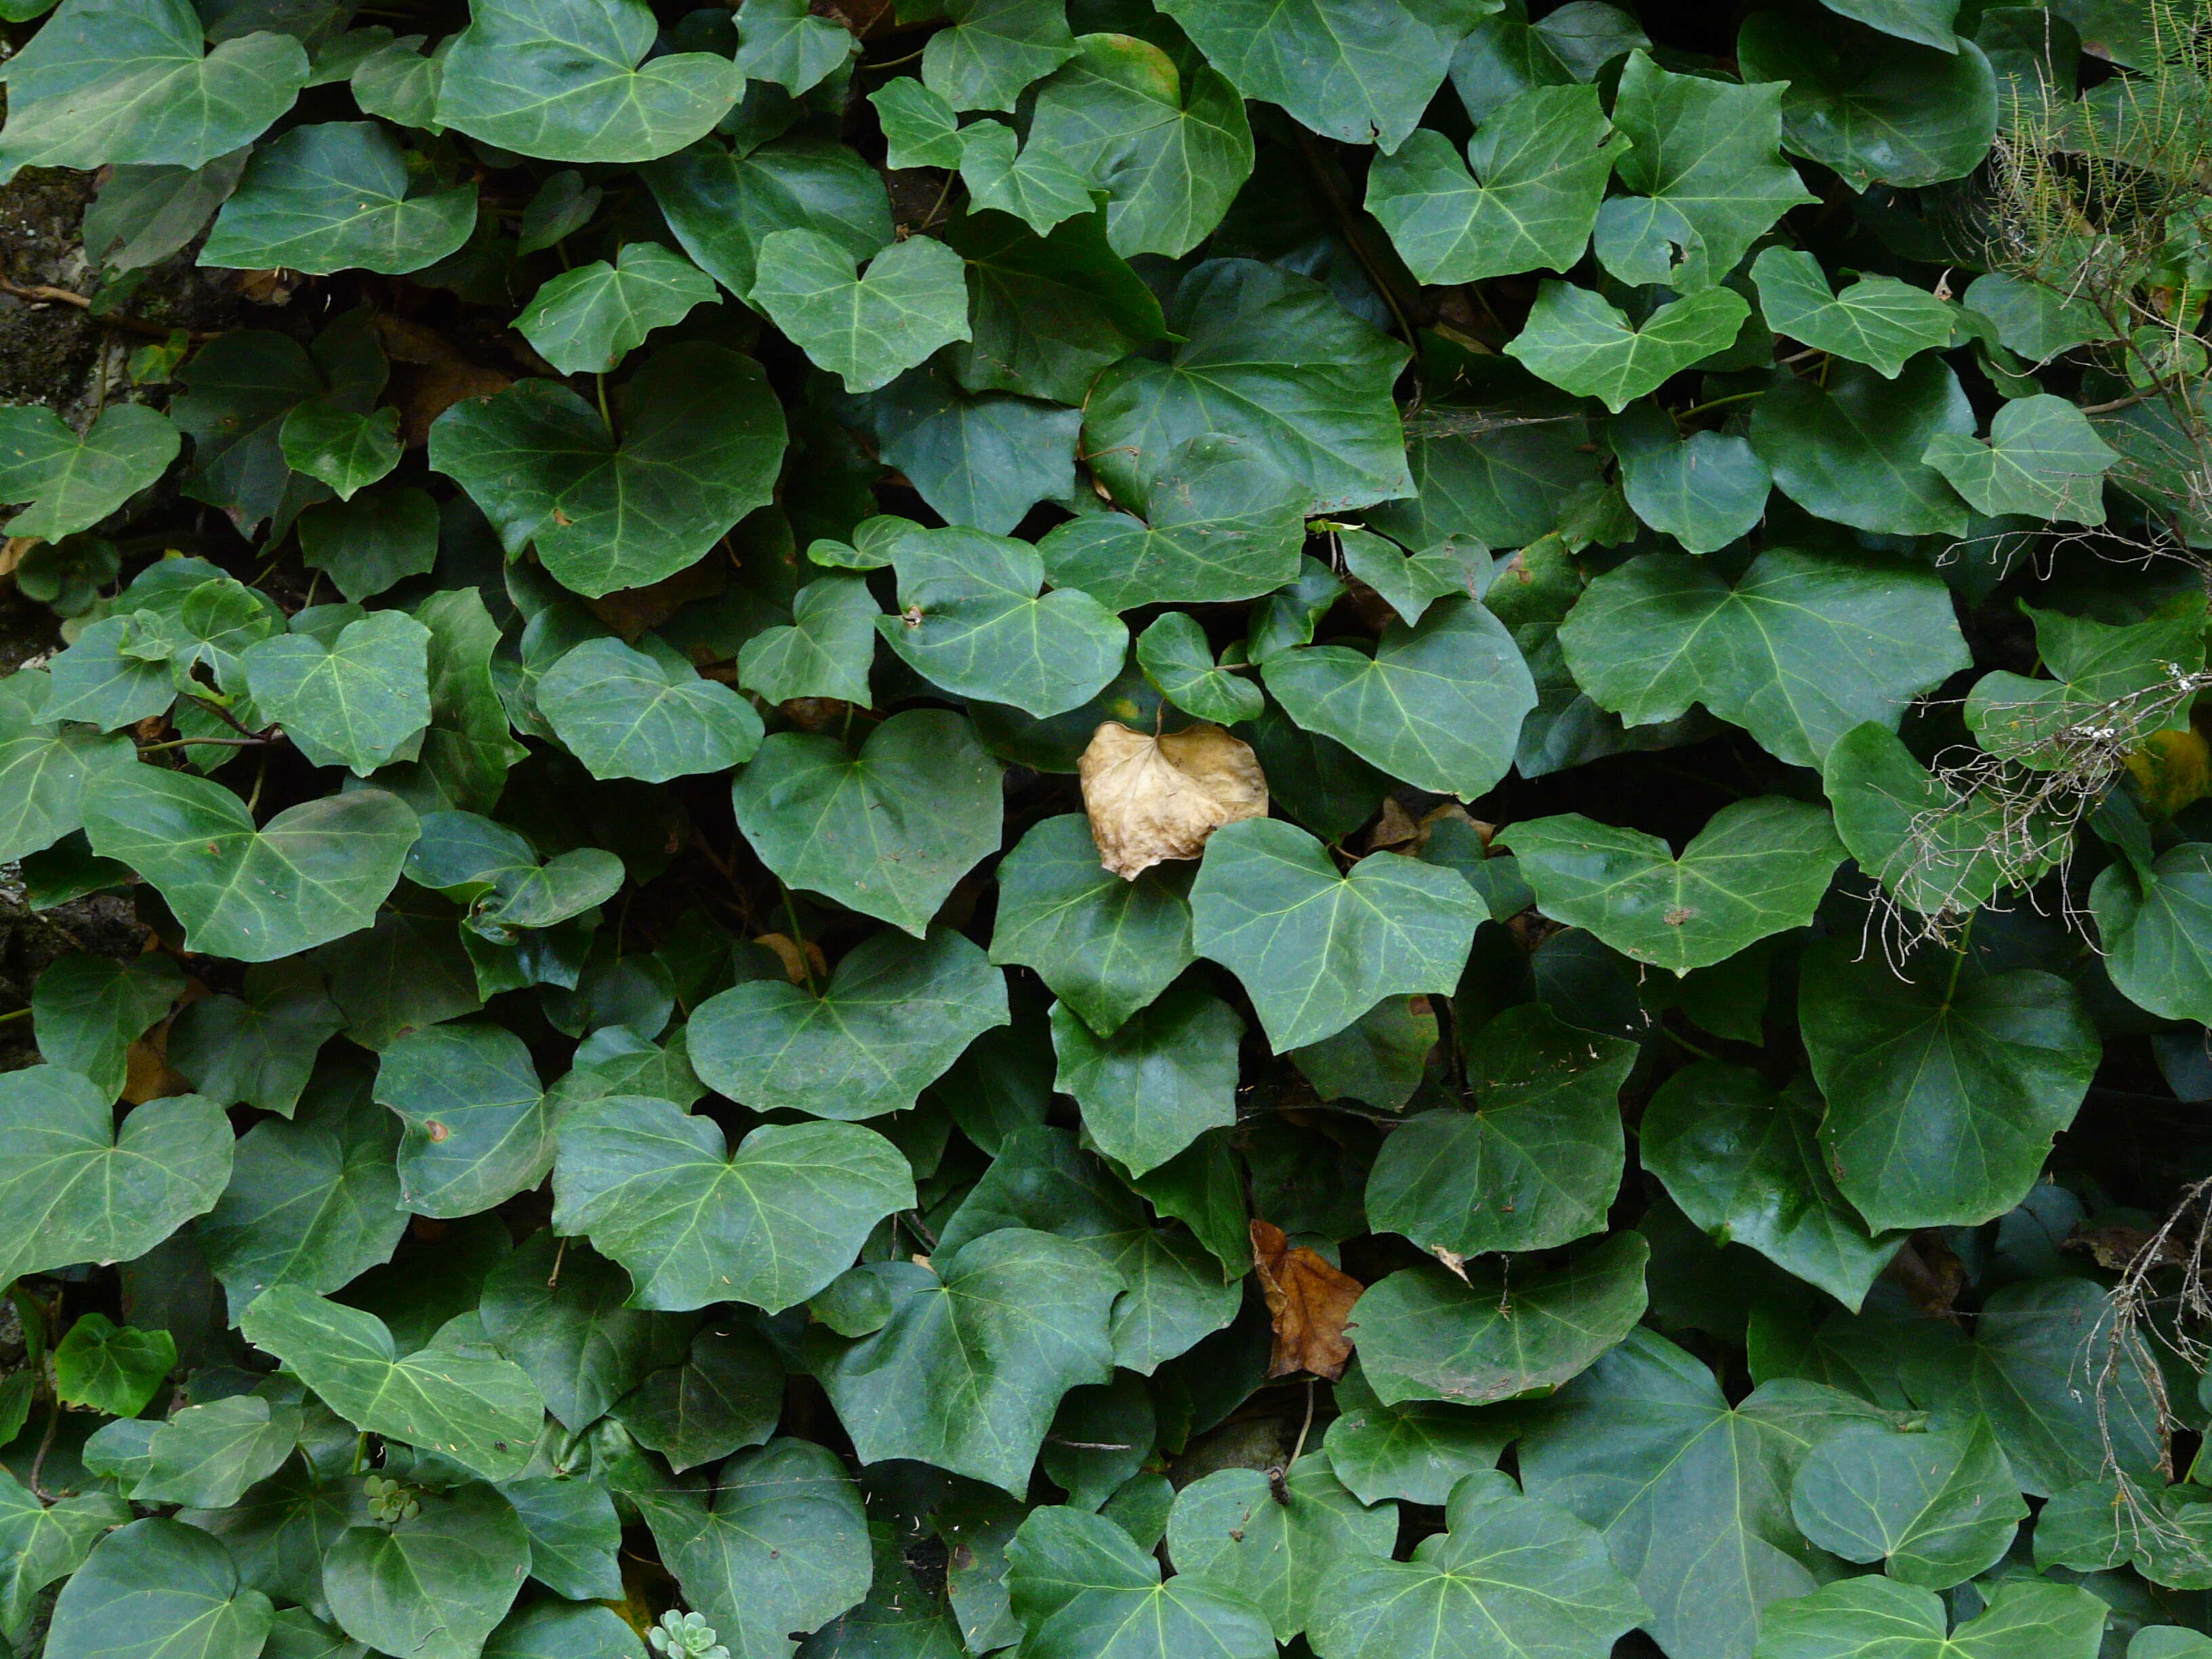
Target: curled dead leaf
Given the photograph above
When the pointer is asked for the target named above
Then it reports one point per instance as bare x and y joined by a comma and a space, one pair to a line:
801, 966
1309, 1301
1153, 798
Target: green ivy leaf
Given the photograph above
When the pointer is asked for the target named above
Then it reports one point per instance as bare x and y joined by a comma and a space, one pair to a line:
1705, 490
370, 545
361, 701
1939, 1506
921, 128
1034, 186
107, 1367
2043, 460
722, 204
315, 1202
477, 1129
325, 199
1580, 343
1164, 1076
125, 83
1798, 650
1315, 948
347, 451
1704, 178
1692, 1494
1758, 868
627, 714
1743, 1162
575, 1534
726, 1394
2155, 926
1877, 320
887, 832
1270, 360
1178, 660
464, 1402
972, 620
894, 1015
695, 1223
1082, 1586
1872, 106
2025, 1369
1509, 1570
1944, 1090
46, 767
1223, 523
1167, 145
87, 1011
1859, 1618
865, 328
1539, 164
436, 1585
1929, 21
208, 1455
994, 49
557, 1309
1535, 1164
1361, 71
1230, 1529
72, 483
1417, 1450
1439, 704
1107, 947
41, 1542
967, 1371
155, 1588
1852, 450
779, 42
702, 437
979, 459
1428, 1334
586, 320
560, 79
1938, 853
777, 1542
825, 653
75, 1187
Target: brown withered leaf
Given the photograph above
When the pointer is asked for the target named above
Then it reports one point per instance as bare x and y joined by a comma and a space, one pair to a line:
1153, 798
801, 966
1394, 826
1308, 1302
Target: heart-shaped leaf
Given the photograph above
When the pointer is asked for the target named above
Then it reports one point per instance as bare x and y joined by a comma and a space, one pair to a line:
1944, 1089
1268, 359
115, 82
701, 439
1937, 1506
1510, 1574
208, 1455
1863, 1618
317, 871
1744, 1162
347, 451
780, 41
1106, 946
1535, 1164
1222, 522
73, 482
886, 832
45, 768
1428, 1334
87, 1011
726, 1395
1582, 343
722, 204
1758, 868
1178, 660
628, 714
560, 79
2155, 926
1540, 166
75, 1187
1004, 176
155, 1588
1417, 1450
1704, 491
966, 1372
1229, 1528
325, 198
361, 701
971, 619
993, 49
434, 1584
2044, 460
865, 328
464, 1402
1852, 450
694, 1223
1169, 145
1800, 649
557, 1308
1164, 1076
1316, 949
826, 650
920, 127
894, 1015
1080, 1585
1877, 320
1440, 703
478, 1131
586, 320
367, 545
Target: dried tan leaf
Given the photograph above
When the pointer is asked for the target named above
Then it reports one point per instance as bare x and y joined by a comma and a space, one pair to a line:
800, 967
1394, 826
12, 550
1154, 798
1309, 1301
